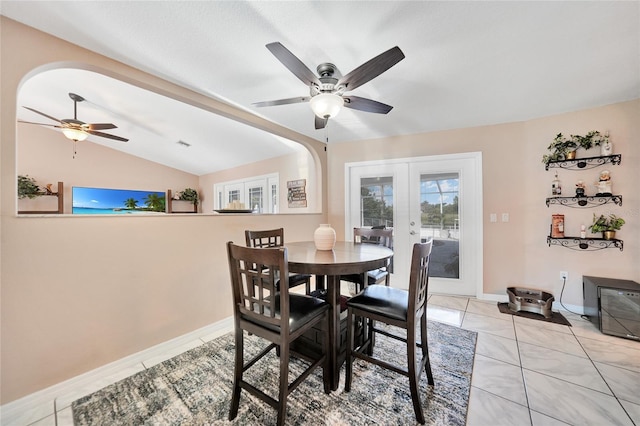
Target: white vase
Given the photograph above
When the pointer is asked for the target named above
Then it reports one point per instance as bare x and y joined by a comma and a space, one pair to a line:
606, 149
324, 237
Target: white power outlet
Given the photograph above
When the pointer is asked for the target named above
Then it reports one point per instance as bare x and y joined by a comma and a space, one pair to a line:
564, 275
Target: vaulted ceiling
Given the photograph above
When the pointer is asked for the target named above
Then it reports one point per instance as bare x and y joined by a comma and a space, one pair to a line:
467, 64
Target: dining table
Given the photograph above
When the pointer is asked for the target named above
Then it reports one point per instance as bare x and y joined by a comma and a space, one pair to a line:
345, 258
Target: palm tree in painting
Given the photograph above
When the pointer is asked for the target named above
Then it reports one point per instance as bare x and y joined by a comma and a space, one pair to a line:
155, 202
131, 203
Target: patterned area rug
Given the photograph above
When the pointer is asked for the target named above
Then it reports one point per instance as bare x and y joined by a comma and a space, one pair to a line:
194, 388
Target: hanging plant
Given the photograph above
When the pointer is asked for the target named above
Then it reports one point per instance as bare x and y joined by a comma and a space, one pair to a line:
591, 139
28, 188
189, 194
602, 223
559, 148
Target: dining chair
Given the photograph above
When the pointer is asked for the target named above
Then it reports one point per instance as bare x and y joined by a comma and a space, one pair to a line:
399, 308
275, 238
378, 236
279, 317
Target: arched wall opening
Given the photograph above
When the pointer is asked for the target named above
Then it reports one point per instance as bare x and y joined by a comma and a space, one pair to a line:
172, 144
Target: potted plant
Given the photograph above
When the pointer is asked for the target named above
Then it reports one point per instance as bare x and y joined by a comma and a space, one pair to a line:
28, 188
561, 149
607, 225
588, 141
190, 194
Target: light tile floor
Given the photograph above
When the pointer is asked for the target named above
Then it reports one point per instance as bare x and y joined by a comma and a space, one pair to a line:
526, 372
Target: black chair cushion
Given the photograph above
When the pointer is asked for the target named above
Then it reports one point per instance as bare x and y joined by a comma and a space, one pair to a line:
373, 276
382, 300
296, 279
302, 309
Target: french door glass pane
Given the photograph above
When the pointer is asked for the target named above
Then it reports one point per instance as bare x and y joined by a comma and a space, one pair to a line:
440, 220
376, 201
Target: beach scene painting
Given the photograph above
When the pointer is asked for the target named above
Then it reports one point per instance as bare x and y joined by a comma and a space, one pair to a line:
117, 201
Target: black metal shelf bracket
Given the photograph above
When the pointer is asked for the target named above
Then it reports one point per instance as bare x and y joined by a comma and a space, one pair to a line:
577, 243
585, 163
586, 201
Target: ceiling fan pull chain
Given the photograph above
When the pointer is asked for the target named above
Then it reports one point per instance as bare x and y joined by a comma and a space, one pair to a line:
326, 132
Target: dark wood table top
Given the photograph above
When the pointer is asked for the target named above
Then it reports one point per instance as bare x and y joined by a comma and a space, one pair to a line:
345, 258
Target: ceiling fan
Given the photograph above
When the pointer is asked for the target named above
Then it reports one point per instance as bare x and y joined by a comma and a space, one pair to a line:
75, 129
328, 87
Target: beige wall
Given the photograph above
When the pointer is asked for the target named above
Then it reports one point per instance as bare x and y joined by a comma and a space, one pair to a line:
80, 292
515, 182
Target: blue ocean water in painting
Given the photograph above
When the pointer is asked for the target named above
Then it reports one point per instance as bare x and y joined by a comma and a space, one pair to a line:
85, 210
94, 201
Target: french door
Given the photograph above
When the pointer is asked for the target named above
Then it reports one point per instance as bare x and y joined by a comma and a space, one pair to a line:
437, 197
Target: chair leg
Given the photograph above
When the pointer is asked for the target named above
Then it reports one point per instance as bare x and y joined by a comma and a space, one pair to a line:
283, 392
349, 358
237, 373
425, 348
326, 368
413, 375
307, 285
370, 334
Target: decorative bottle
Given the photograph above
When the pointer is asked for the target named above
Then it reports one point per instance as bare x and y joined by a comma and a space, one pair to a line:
324, 237
556, 186
606, 147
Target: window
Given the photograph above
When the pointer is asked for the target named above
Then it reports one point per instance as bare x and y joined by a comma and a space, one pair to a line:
258, 193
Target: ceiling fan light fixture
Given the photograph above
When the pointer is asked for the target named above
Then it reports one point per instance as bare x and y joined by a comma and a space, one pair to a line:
326, 105
75, 134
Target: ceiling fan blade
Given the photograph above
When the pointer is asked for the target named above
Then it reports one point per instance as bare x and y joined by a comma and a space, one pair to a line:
42, 114
101, 126
40, 124
371, 69
293, 64
106, 135
367, 105
297, 100
320, 122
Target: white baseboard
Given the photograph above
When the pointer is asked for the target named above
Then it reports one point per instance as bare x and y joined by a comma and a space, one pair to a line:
12, 411
495, 297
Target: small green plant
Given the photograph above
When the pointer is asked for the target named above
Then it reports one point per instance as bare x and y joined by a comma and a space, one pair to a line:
27, 187
591, 139
602, 223
559, 148
189, 194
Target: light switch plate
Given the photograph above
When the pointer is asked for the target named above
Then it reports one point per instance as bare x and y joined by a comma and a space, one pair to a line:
493, 218
505, 217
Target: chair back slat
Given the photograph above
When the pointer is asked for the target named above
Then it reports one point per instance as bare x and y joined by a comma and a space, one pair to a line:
265, 239
382, 237
419, 276
254, 274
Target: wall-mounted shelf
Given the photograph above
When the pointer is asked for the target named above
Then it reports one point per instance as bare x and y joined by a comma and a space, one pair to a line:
170, 202
577, 243
585, 163
59, 194
586, 201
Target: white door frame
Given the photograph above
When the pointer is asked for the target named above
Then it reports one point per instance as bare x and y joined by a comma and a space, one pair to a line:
472, 185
